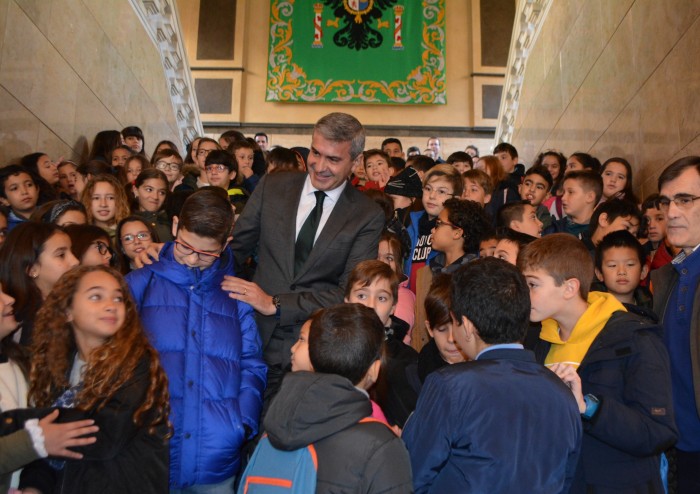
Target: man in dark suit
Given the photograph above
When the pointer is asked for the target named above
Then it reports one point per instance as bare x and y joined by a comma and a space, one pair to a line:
310, 231
502, 422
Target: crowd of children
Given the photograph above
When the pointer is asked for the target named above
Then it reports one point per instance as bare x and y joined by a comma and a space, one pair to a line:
136, 332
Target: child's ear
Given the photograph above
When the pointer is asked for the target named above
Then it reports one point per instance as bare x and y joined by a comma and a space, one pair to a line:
134, 191
487, 198
173, 230
372, 374
571, 288
232, 175
4, 202
603, 219
590, 197
345, 300
430, 330
599, 275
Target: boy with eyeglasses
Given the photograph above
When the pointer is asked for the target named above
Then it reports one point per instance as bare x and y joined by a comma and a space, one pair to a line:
208, 344
222, 171
440, 183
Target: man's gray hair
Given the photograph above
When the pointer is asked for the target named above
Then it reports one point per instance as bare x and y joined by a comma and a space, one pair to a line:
342, 127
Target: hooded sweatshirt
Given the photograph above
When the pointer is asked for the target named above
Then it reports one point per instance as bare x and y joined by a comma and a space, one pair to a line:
325, 410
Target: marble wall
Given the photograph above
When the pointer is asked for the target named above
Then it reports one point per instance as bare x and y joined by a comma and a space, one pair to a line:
614, 78
70, 68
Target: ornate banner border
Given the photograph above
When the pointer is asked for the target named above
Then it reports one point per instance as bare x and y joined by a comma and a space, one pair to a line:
425, 84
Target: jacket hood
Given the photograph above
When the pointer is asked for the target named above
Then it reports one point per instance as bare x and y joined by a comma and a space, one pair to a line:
312, 406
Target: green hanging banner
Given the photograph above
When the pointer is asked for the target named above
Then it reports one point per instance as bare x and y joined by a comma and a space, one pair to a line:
357, 51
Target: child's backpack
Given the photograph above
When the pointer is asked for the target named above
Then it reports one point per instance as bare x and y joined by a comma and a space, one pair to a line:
294, 471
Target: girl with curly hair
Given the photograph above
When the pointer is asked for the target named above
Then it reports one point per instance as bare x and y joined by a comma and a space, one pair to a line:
93, 359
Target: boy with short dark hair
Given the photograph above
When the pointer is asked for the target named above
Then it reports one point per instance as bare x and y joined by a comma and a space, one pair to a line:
582, 192
536, 185
461, 161
620, 266
222, 171
611, 216
328, 408
18, 191
510, 243
520, 216
208, 344
480, 426
614, 362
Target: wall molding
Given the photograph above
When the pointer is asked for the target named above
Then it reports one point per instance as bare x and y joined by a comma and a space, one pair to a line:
529, 17
161, 21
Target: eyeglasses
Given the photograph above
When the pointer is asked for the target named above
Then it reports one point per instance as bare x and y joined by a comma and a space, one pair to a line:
129, 238
102, 248
439, 223
188, 250
216, 168
682, 201
441, 192
164, 165
204, 152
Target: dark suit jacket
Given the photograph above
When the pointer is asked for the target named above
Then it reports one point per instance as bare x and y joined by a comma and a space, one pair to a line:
350, 235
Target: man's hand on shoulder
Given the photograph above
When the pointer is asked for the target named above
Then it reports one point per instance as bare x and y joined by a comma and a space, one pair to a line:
250, 293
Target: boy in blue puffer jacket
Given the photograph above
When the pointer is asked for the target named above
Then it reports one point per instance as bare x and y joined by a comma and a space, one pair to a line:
208, 345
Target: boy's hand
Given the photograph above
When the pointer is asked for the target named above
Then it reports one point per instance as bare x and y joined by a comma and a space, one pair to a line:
148, 256
250, 293
568, 374
59, 437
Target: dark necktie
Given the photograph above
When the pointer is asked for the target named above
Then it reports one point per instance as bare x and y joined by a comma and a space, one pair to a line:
305, 240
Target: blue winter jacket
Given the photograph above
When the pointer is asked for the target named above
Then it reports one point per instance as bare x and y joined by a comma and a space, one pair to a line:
210, 350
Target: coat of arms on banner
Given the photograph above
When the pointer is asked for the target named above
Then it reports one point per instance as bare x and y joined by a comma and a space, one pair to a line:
357, 51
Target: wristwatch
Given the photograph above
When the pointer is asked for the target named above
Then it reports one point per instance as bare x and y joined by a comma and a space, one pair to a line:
592, 404
276, 303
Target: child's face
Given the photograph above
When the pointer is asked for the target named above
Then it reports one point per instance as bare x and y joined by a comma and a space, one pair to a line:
119, 157
244, 157
628, 223
134, 142
444, 234
171, 166
445, 342
393, 150
388, 256
22, 194
614, 179
552, 164
132, 245
220, 176
55, 259
546, 298
3, 229
656, 220
435, 193
98, 311
461, 166
8, 323
151, 194
68, 178
71, 217
48, 170
377, 169
507, 161
475, 192
573, 164
487, 247
98, 253
377, 295
133, 169
534, 189
621, 271
530, 224
576, 201
300, 350
196, 251
507, 250
104, 203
